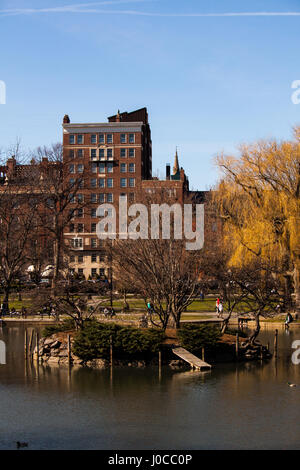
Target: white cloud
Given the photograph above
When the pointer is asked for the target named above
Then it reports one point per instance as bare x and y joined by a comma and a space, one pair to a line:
86, 8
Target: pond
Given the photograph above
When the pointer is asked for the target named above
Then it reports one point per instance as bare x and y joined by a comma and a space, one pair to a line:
235, 406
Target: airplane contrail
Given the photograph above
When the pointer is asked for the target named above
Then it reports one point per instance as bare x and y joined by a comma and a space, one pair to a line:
85, 8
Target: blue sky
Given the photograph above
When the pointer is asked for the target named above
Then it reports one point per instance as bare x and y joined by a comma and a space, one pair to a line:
209, 82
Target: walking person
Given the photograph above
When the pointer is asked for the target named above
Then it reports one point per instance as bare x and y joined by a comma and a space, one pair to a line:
217, 305
288, 320
220, 310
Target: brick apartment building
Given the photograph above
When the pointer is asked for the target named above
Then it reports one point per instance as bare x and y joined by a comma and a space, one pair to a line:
114, 159
117, 156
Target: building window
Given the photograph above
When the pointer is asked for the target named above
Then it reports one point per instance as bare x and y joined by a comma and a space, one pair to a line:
76, 242
71, 168
71, 154
93, 198
131, 182
71, 182
93, 139
101, 139
94, 167
80, 168
80, 184
72, 259
80, 228
80, 271
101, 183
131, 197
101, 154
94, 242
123, 167
93, 228
94, 272
109, 154
80, 153
102, 258
80, 198
72, 228
94, 257
123, 139
71, 139
131, 167
80, 212
93, 154
102, 272
123, 182
123, 153
110, 168
80, 258
101, 168
131, 153
109, 138
101, 197
80, 139
94, 183
110, 182
93, 213
131, 138
110, 197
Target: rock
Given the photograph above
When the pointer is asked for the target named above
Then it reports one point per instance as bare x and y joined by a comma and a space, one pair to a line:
48, 341
178, 364
55, 345
97, 363
141, 364
53, 360
63, 353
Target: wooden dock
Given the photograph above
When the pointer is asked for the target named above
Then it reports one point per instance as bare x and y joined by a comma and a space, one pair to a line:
194, 361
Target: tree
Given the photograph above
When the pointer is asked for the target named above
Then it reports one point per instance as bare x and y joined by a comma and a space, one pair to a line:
259, 201
62, 197
162, 272
17, 230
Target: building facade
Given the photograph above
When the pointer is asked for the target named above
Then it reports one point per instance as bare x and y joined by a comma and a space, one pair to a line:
116, 158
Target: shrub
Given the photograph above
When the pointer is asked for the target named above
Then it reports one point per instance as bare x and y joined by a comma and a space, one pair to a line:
195, 337
65, 325
94, 341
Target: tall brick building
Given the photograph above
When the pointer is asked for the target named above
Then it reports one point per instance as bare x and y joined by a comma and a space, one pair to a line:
116, 157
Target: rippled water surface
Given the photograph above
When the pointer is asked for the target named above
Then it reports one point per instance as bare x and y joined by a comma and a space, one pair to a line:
235, 406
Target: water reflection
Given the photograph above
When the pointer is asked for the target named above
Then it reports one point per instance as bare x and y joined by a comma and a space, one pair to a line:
235, 405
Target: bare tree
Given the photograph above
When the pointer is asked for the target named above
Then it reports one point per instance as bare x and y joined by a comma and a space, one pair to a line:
17, 229
163, 273
62, 196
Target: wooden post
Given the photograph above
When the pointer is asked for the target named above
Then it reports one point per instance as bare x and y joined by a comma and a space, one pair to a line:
159, 359
276, 343
111, 351
237, 345
203, 354
37, 347
69, 349
25, 344
30, 344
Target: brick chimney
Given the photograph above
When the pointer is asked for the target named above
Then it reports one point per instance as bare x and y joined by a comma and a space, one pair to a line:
66, 119
11, 165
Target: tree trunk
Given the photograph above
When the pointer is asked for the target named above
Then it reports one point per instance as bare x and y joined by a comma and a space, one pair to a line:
288, 289
225, 323
56, 266
252, 338
6, 296
297, 286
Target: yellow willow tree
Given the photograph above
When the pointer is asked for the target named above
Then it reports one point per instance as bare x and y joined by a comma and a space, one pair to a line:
259, 201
